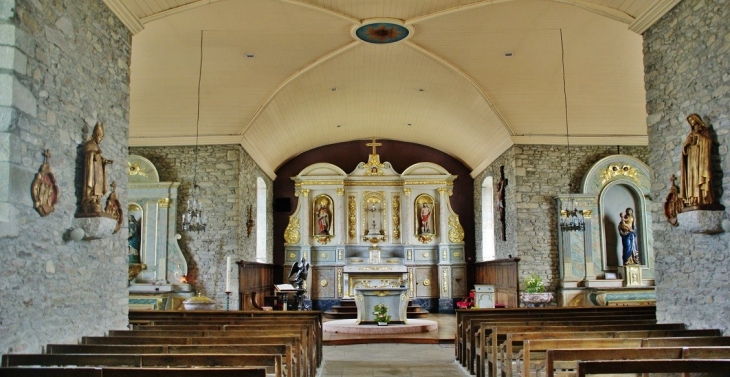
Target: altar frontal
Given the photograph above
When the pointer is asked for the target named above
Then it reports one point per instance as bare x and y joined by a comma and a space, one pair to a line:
377, 228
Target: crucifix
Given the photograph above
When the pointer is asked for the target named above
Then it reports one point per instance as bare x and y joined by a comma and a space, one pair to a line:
374, 144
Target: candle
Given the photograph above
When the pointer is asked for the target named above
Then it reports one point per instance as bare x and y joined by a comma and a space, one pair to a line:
228, 273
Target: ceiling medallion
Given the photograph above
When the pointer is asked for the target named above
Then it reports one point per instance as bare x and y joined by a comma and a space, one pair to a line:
382, 31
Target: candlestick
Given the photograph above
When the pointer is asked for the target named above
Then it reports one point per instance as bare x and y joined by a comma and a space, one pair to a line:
228, 301
228, 273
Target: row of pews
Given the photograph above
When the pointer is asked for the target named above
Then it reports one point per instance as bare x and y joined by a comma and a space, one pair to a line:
570, 341
187, 343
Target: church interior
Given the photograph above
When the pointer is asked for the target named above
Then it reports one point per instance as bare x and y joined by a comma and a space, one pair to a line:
155, 154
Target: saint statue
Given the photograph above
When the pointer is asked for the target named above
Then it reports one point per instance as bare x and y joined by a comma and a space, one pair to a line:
696, 179
324, 218
425, 216
627, 230
94, 186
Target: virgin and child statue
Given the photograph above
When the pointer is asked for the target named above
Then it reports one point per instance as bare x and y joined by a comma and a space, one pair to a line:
627, 231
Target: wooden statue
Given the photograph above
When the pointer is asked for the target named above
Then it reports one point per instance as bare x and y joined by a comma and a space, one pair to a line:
94, 186
696, 179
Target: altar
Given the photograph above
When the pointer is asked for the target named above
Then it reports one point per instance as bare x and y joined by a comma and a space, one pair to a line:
378, 228
395, 299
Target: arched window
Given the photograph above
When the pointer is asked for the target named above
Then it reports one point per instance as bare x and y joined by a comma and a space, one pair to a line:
488, 250
260, 220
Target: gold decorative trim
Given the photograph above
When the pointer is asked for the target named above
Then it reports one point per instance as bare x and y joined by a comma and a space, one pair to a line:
407, 191
357, 260
305, 192
445, 288
419, 183
426, 282
425, 255
425, 237
340, 191
444, 254
352, 217
457, 254
372, 183
292, 256
614, 171
339, 282
324, 255
375, 269
135, 169
133, 207
410, 281
396, 217
291, 233
164, 202
392, 261
323, 283
410, 254
339, 254
587, 213
318, 183
442, 190
134, 269
456, 231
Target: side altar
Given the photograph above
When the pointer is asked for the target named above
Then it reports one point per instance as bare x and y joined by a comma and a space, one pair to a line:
377, 228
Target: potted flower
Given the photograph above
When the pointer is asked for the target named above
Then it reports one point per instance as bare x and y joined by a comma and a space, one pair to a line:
381, 314
534, 294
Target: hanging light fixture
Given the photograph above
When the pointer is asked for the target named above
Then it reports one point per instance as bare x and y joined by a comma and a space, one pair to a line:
571, 218
194, 219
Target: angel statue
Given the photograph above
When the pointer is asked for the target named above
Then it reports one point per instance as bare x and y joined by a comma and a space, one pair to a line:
299, 271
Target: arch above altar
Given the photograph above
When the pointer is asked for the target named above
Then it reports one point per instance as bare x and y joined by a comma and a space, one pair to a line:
375, 227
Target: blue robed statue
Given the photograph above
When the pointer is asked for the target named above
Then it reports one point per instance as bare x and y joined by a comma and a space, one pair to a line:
627, 230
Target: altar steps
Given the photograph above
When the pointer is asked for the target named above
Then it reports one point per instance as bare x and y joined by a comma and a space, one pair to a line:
348, 310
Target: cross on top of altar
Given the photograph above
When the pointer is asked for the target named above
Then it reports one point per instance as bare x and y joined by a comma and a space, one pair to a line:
374, 165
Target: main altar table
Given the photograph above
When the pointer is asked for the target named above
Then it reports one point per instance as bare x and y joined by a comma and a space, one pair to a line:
396, 299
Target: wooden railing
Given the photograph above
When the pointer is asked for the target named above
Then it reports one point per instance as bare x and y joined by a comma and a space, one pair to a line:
503, 275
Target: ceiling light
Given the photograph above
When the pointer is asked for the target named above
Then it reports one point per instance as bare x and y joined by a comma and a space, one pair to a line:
421, 90
507, 54
334, 89
250, 55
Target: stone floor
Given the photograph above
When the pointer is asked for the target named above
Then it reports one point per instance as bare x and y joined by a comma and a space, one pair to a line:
390, 359
427, 354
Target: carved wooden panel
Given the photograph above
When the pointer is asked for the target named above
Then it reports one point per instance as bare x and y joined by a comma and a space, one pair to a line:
323, 282
427, 282
254, 277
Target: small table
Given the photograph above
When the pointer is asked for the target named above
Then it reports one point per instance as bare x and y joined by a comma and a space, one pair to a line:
396, 300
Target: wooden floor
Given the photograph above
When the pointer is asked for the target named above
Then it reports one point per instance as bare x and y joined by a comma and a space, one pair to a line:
444, 335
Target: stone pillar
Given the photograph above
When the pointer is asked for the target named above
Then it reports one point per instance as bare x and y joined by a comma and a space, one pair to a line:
443, 213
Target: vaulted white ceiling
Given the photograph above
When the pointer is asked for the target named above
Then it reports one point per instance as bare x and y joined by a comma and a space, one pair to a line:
281, 77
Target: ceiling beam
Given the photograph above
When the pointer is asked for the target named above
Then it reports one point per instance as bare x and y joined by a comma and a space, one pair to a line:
125, 15
176, 10
651, 15
324, 10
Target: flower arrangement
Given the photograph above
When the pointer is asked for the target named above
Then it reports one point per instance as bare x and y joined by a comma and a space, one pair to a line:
533, 284
381, 313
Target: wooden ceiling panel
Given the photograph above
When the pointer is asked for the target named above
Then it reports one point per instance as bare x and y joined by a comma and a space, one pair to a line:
402, 9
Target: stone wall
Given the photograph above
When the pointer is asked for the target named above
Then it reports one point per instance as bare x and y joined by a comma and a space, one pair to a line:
687, 70
227, 176
538, 173
65, 66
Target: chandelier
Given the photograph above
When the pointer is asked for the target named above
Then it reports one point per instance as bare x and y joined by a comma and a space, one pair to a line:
194, 219
571, 218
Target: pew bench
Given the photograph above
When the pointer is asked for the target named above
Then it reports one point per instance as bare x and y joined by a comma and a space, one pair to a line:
126, 372
271, 362
568, 359
586, 368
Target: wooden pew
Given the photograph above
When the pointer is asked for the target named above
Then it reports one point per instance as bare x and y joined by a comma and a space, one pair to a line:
567, 359
543, 345
474, 325
654, 366
492, 336
275, 349
126, 372
466, 318
299, 365
515, 341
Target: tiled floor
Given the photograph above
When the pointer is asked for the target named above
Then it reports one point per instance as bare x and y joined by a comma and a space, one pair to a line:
370, 355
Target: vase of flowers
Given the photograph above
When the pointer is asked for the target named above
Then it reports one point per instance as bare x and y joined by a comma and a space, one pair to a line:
534, 294
381, 314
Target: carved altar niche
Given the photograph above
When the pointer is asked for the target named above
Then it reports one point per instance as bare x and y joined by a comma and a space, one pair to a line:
152, 224
611, 189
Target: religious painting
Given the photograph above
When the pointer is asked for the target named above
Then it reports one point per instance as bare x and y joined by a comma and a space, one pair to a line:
134, 218
322, 216
425, 215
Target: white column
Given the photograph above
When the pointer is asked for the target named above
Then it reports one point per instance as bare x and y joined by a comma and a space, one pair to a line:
304, 216
407, 225
443, 215
340, 216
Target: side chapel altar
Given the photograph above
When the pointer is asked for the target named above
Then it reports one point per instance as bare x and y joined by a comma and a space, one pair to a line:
377, 228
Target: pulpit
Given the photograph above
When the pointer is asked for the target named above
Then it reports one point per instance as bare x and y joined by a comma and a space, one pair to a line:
395, 299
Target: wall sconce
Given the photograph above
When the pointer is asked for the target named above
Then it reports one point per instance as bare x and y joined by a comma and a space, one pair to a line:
249, 223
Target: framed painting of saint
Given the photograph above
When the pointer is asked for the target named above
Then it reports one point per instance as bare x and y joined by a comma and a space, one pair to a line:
425, 215
322, 216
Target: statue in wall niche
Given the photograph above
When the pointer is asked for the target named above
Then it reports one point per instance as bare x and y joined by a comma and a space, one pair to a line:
627, 230
696, 179
94, 186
